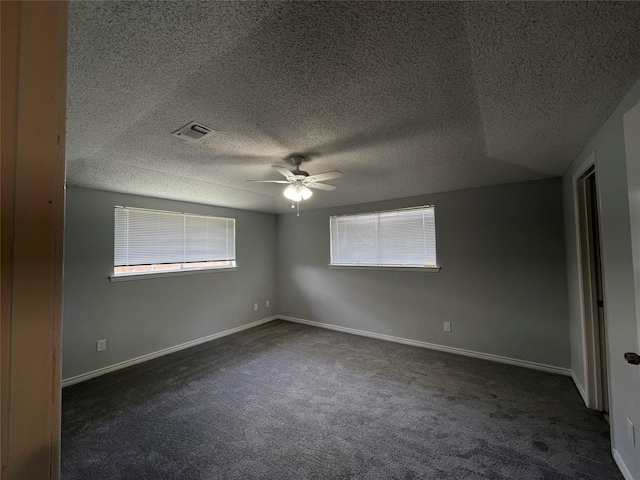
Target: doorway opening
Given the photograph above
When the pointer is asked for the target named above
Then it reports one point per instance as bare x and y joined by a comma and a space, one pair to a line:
593, 291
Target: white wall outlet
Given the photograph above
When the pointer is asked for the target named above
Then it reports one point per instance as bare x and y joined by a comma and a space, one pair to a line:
255, 307
447, 326
631, 431
266, 304
101, 345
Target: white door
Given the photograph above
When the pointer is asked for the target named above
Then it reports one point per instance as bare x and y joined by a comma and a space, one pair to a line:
632, 148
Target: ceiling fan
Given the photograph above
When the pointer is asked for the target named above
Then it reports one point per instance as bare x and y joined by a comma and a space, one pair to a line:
300, 181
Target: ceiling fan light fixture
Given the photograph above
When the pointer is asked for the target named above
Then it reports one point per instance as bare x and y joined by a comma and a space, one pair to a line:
300, 183
297, 192
292, 193
306, 193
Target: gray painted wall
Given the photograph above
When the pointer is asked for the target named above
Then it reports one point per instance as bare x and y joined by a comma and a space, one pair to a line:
608, 143
502, 284
143, 316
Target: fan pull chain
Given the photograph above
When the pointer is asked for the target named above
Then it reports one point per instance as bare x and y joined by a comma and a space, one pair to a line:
298, 211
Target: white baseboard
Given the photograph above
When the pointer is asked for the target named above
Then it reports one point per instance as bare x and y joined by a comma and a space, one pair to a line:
433, 346
621, 465
469, 353
580, 388
112, 368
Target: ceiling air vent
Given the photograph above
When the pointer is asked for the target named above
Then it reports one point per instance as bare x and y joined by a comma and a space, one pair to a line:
192, 132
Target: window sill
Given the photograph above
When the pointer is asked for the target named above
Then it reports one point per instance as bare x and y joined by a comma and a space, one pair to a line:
142, 276
391, 268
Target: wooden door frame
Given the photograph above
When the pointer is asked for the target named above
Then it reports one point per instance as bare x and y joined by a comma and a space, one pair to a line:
594, 388
34, 52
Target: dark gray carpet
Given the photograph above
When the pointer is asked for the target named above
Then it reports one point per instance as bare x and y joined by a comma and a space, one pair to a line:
288, 401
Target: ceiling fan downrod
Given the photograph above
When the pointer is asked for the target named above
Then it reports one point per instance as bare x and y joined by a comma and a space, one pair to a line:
297, 161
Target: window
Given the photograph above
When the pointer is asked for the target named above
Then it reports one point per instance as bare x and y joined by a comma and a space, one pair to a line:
395, 238
153, 241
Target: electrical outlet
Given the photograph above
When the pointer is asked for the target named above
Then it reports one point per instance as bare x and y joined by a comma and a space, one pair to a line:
266, 304
631, 431
101, 345
255, 307
447, 326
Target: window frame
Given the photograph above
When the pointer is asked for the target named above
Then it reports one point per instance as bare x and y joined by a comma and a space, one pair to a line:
389, 267
183, 266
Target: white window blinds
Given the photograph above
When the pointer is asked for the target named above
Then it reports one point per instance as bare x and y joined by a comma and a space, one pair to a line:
395, 238
153, 237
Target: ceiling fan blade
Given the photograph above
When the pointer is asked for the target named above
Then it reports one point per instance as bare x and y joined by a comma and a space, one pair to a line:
321, 177
285, 171
319, 186
269, 181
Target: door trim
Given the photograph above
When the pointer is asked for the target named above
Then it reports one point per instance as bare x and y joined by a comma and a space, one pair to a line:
593, 387
34, 37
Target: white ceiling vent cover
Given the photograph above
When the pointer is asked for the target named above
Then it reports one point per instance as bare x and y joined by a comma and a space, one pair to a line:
192, 132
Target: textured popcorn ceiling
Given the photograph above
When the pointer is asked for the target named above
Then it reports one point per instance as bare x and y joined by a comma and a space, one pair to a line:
405, 98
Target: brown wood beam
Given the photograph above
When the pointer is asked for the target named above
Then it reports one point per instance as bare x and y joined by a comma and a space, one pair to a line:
34, 46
